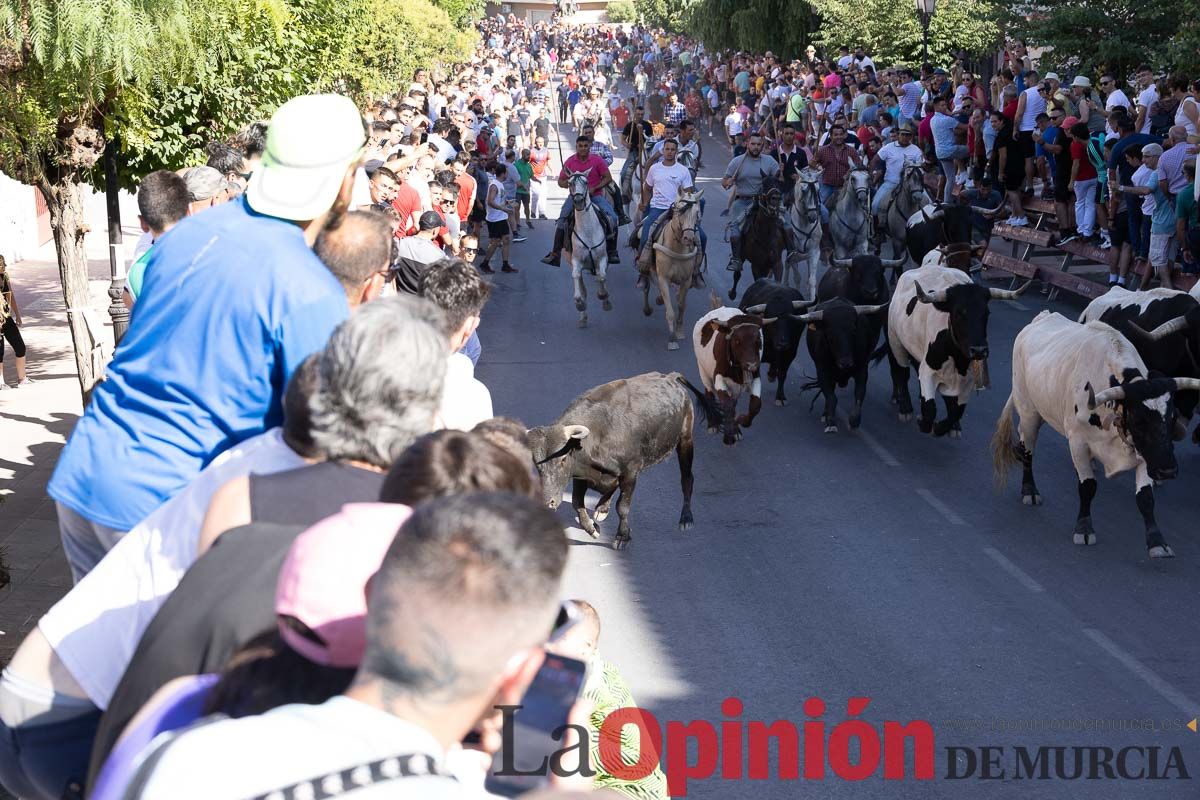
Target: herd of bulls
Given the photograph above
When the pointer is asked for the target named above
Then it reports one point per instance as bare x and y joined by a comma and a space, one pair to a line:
1120, 384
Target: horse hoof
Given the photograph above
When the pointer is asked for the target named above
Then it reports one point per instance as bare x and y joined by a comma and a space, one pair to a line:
831, 429
1161, 551
1084, 538
780, 403
621, 542
606, 304
672, 345
904, 417
580, 305
955, 433
1031, 499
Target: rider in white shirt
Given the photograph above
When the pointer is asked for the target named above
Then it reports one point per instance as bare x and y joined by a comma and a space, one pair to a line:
892, 157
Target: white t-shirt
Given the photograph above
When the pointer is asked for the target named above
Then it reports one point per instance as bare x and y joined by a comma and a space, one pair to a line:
495, 214
96, 627
1116, 98
894, 157
465, 400
845, 62
1034, 104
1146, 98
666, 183
292, 744
733, 123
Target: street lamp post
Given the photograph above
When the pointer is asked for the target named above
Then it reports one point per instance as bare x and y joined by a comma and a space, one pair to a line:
116, 309
925, 9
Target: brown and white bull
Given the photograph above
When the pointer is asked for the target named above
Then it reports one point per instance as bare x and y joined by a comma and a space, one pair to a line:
729, 345
1058, 366
938, 320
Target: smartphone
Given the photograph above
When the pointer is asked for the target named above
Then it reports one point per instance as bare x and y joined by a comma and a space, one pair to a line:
528, 736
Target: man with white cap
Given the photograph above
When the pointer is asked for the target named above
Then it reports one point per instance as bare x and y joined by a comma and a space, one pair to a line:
237, 300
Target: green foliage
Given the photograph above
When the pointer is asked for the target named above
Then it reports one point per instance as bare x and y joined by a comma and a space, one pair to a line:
463, 13
670, 15
891, 30
395, 37
784, 27
622, 11
1117, 36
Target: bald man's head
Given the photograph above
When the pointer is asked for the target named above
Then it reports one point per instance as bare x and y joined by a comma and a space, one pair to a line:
356, 250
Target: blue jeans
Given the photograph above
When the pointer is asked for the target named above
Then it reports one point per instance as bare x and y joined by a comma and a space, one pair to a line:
40, 762
653, 213
598, 200
826, 192
882, 194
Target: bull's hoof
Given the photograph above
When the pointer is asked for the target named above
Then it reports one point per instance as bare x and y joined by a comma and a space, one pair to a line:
831, 428
580, 304
781, 401
943, 428
924, 426
1161, 551
672, 344
685, 520
743, 421
647, 310
606, 304
732, 294
905, 417
621, 542
1084, 533
955, 433
600, 514
582, 323
713, 429
1031, 498
855, 421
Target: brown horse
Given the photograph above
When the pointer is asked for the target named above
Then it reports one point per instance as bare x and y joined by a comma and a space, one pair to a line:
675, 256
763, 240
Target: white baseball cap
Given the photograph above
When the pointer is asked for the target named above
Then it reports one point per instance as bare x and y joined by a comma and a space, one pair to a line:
311, 142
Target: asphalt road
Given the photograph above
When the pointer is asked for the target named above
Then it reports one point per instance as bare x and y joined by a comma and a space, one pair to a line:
879, 564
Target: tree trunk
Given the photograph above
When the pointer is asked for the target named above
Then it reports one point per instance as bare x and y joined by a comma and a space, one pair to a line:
65, 201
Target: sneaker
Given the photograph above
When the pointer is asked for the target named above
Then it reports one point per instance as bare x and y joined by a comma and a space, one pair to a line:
509, 268
542, 216
519, 238
551, 259
1069, 237
486, 269
26, 382
1016, 222
4, 386
1105, 244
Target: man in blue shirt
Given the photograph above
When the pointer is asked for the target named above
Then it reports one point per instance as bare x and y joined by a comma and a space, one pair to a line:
948, 152
234, 300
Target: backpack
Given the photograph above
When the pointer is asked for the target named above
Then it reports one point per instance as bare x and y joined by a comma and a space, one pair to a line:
1162, 115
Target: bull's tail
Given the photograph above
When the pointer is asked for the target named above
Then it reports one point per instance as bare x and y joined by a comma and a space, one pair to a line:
714, 301
712, 412
881, 351
1004, 456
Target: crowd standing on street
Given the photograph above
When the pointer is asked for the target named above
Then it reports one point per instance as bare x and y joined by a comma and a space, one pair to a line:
303, 544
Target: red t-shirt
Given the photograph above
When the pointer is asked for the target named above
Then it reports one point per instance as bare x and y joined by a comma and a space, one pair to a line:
408, 203
1010, 110
620, 116
593, 162
466, 191
1079, 153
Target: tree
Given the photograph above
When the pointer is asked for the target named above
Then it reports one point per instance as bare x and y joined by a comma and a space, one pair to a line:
622, 11
781, 26
670, 15
1115, 37
891, 31
463, 13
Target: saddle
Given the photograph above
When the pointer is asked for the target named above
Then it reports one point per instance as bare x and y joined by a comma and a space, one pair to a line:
605, 223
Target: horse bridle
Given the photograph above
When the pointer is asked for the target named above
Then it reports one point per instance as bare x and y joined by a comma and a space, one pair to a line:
866, 210
587, 203
806, 188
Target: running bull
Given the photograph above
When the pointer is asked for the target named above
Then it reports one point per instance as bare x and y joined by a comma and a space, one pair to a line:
781, 337
938, 320
1091, 385
608, 435
841, 336
728, 345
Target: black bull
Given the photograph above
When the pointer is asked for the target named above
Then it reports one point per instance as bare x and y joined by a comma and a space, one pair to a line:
608, 435
781, 338
946, 225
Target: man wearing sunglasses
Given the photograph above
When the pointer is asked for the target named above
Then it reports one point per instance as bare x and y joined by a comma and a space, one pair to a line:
1113, 97
1031, 104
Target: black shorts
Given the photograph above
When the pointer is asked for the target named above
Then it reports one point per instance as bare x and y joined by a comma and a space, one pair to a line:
477, 215
1028, 146
1061, 193
498, 230
1118, 229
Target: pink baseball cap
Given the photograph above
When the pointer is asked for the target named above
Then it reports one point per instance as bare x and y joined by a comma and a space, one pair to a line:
324, 578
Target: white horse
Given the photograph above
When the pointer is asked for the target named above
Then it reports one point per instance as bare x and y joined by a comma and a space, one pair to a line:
804, 219
587, 248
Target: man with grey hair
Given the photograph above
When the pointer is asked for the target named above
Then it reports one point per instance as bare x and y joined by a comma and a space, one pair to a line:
1176, 150
206, 188
380, 383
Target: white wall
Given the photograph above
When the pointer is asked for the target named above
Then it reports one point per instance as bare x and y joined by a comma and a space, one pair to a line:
18, 220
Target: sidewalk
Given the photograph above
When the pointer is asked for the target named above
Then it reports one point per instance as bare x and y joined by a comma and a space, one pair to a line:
34, 424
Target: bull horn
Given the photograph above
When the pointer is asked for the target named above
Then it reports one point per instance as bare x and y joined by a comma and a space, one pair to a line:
813, 316
755, 309
576, 431
841, 262
892, 263
870, 309
1005, 294
988, 211
938, 213
768, 320
1162, 331
697, 195
1107, 396
936, 297
1187, 384
800, 305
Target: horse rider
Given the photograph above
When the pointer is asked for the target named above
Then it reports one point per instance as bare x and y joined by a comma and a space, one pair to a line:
684, 135
746, 174
835, 160
605, 152
792, 159
598, 178
664, 180
890, 162
634, 136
